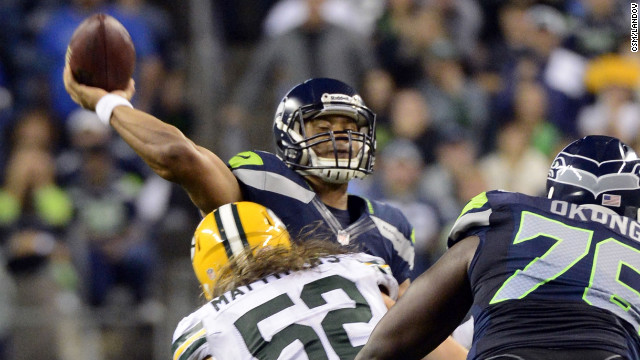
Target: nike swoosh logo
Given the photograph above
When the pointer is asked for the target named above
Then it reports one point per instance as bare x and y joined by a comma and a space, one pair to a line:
245, 158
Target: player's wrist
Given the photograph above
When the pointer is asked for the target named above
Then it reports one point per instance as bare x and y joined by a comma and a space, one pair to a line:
106, 104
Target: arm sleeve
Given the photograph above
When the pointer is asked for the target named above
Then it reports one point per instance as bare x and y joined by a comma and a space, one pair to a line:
190, 339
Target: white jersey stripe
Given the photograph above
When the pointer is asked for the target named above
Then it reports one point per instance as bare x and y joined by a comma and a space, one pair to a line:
400, 243
264, 180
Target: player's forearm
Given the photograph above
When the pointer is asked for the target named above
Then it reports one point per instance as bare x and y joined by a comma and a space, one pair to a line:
162, 146
174, 157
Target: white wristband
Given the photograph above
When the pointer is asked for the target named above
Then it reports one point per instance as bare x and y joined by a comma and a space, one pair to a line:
107, 103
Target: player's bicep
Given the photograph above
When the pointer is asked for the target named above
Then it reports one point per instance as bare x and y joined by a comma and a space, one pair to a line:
435, 303
444, 289
209, 182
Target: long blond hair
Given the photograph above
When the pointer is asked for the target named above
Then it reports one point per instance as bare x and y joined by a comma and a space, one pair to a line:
246, 267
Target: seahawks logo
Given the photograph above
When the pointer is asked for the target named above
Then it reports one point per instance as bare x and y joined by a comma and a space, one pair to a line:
562, 173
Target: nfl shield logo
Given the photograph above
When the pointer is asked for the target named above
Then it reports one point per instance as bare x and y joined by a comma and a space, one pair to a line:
211, 274
343, 237
611, 200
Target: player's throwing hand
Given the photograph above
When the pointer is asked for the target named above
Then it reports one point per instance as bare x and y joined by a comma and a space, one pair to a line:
87, 96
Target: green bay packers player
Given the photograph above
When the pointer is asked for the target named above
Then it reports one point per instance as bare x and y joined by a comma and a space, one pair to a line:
324, 137
271, 298
554, 278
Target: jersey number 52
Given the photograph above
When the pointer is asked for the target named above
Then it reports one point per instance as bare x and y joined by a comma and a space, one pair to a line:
332, 323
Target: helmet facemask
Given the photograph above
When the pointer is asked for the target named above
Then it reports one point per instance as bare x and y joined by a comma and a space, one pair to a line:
298, 152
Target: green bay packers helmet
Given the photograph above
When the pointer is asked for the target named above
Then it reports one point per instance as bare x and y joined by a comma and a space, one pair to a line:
228, 231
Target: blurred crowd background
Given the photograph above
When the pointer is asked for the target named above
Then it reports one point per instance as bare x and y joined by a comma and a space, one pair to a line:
470, 95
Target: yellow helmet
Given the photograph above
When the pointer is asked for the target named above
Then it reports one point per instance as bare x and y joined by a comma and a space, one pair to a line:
227, 231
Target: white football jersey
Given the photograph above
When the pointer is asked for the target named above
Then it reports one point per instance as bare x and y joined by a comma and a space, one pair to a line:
327, 312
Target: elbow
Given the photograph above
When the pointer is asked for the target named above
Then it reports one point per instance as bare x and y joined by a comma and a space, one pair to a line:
175, 159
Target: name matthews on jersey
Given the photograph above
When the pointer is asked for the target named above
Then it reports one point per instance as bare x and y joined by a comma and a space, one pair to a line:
615, 222
224, 299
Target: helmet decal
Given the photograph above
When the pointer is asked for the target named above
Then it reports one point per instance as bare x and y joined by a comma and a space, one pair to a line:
597, 170
561, 173
211, 273
230, 228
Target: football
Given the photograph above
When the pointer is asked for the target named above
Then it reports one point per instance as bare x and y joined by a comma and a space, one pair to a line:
101, 53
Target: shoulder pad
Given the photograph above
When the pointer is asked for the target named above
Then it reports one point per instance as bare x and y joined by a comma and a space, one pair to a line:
245, 158
385, 211
475, 214
258, 159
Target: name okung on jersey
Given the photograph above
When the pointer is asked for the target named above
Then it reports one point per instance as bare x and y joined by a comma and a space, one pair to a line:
621, 224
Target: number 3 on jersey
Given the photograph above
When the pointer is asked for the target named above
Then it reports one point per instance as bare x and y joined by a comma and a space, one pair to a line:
332, 324
613, 263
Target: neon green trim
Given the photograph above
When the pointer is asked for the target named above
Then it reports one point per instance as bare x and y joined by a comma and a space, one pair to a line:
615, 298
477, 202
413, 236
369, 206
245, 158
557, 247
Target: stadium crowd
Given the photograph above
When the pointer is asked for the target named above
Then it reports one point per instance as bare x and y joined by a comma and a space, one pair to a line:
470, 95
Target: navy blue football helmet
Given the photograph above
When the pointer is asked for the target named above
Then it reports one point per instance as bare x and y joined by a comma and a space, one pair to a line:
598, 170
319, 97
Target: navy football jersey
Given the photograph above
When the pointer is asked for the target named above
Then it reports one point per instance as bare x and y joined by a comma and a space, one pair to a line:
379, 229
552, 274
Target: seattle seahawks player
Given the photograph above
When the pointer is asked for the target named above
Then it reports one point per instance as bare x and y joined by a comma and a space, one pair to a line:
554, 278
270, 298
325, 136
